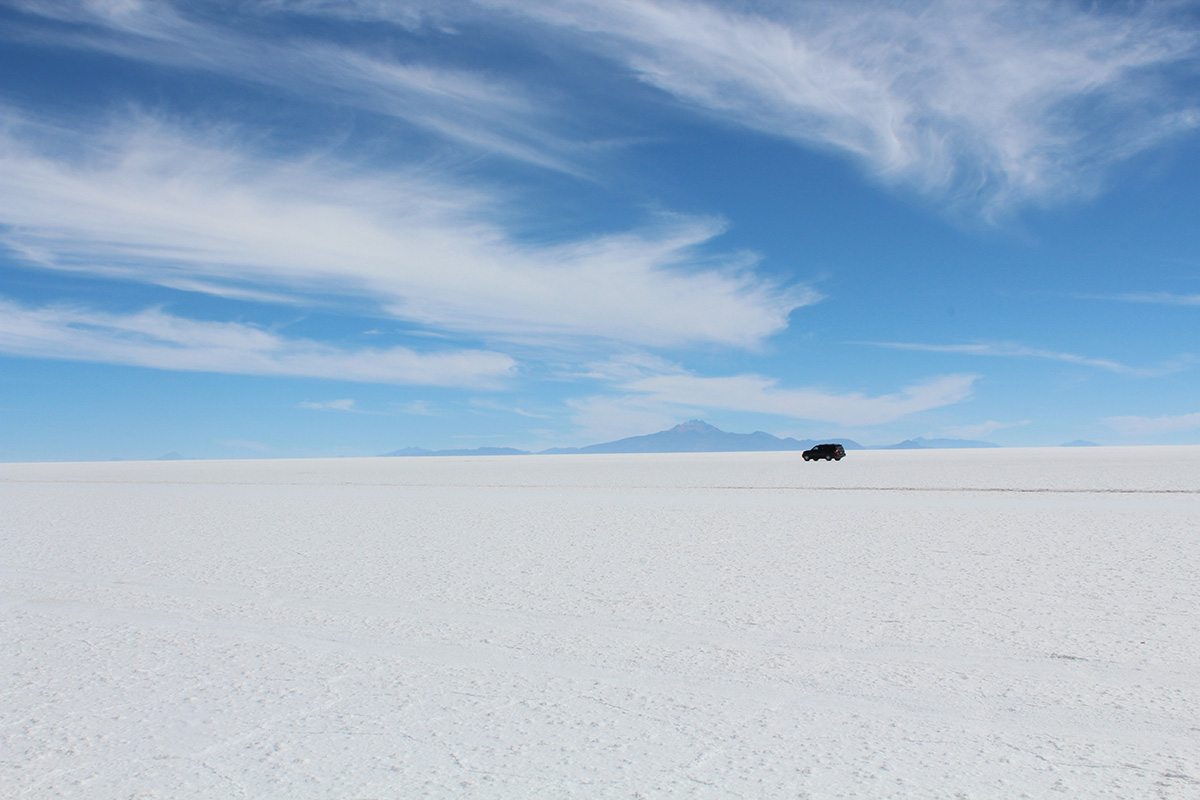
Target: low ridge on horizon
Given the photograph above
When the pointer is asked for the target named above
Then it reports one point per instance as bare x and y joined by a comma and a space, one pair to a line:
697, 436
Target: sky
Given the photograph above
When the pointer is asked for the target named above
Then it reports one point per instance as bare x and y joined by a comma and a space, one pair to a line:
311, 228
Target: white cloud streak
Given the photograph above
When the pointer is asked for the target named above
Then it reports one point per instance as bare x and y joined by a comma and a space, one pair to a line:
988, 104
982, 429
759, 394
991, 103
1154, 298
1006, 350
151, 203
1154, 426
346, 404
653, 390
417, 408
479, 111
158, 340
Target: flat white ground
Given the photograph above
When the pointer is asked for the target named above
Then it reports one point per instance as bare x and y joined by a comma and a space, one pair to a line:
983, 624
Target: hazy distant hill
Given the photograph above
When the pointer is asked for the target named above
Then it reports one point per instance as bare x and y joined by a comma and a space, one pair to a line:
934, 444
694, 436
1080, 443
478, 451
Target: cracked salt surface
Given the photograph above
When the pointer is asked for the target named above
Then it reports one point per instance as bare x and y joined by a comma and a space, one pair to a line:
997, 623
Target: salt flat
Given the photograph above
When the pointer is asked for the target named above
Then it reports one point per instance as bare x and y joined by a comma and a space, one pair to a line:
930, 624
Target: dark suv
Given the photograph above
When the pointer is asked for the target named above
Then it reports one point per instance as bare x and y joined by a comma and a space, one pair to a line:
829, 452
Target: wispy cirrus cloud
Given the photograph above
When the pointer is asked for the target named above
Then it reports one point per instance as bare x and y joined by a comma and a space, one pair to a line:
1153, 298
1154, 426
990, 103
149, 202
1010, 350
978, 431
418, 408
478, 110
155, 339
764, 395
346, 404
492, 405
649, 391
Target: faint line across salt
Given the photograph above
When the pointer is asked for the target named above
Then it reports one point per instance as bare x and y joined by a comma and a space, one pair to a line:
380, 484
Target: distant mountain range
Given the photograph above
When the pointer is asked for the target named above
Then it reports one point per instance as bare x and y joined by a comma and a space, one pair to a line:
694, 436
478, 451
934, 444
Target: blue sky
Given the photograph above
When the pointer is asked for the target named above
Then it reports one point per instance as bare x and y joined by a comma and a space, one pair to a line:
329, 227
